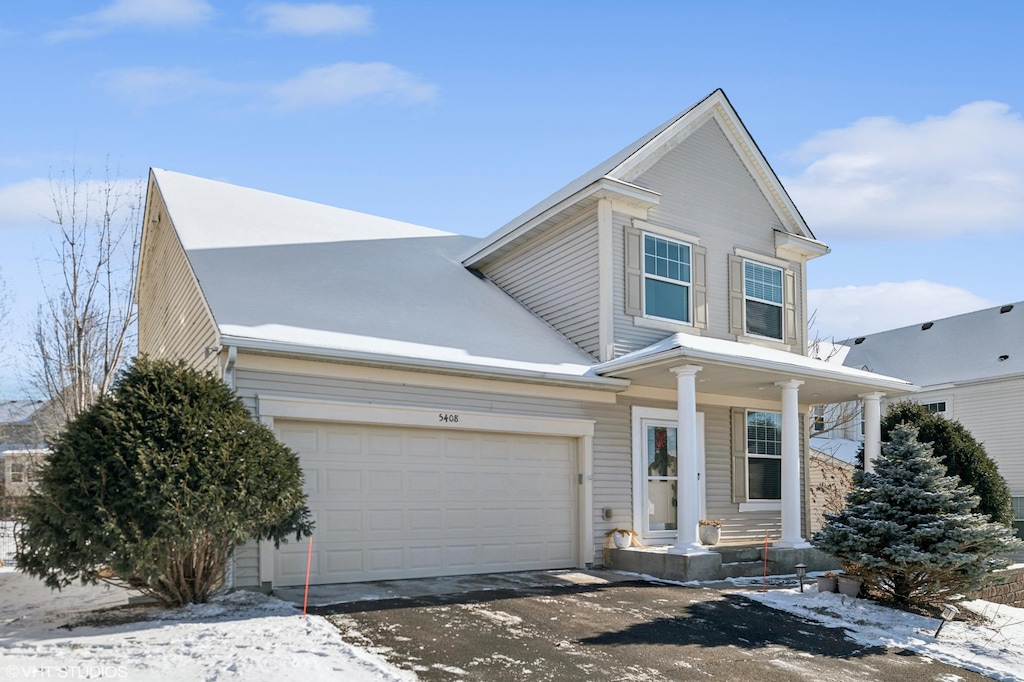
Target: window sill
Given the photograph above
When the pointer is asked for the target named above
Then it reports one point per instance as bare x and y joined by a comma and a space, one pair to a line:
764, 342
761, 506
665, 326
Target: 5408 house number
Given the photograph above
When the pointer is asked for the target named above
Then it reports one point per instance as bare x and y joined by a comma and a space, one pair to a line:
447, 418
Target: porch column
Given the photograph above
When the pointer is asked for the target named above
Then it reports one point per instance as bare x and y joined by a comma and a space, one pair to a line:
688, 492
791, 466
872, 428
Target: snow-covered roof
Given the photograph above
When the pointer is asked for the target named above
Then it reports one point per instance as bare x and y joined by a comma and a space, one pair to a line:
616, 169
288, 275
749, 355
985, 344
842, 449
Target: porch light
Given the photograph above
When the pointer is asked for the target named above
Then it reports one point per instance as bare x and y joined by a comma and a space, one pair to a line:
801, 571
948, 613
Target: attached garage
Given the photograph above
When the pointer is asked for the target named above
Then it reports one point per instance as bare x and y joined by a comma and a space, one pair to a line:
402, 500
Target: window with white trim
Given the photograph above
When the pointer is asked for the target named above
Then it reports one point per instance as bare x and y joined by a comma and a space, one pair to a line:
667, 278
764, 455
818, 418
1018, 515
763, 296
938, 407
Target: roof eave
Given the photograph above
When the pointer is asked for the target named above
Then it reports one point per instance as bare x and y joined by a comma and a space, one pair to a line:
284, 349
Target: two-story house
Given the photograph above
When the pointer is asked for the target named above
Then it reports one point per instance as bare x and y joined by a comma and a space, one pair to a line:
628, 353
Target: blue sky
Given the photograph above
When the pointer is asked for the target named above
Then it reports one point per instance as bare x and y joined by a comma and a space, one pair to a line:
898, 132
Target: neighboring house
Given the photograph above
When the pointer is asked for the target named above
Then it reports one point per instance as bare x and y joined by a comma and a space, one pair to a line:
830, 470
23, 428
970, 368
630, 352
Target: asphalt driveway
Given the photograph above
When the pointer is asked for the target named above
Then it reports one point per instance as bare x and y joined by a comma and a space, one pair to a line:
632, 630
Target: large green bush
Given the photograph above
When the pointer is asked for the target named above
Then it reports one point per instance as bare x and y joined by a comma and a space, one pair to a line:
154, 486
962, 455
910, 531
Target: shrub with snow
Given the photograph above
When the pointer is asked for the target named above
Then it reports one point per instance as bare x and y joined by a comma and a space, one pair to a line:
910, 530
153, 486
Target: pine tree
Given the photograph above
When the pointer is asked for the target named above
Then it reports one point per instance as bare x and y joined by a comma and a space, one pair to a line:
962, 455
153, 486
910, 531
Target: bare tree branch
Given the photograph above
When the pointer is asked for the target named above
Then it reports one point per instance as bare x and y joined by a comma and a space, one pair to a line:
84, 332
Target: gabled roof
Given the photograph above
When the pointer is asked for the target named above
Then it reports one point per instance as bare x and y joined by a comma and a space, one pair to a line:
19, 411
290, 276
620, 170
985, 344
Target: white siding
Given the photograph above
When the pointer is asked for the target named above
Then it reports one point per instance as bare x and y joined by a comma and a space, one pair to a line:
707, 192
992, 412
557, 278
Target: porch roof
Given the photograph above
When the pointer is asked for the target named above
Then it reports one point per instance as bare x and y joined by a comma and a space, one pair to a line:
746, 370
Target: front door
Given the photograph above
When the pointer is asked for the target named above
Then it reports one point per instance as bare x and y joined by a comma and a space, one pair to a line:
657, 473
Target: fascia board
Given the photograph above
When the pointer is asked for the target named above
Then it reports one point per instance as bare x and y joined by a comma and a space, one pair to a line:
604, 188
462, 369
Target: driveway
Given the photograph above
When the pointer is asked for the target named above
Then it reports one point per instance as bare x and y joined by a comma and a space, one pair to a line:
619, 629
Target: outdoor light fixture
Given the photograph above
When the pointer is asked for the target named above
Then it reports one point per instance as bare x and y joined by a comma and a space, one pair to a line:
948, 613
801, 571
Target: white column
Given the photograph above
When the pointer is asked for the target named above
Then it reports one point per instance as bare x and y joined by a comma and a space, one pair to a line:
872, 428
791, 466
688, 492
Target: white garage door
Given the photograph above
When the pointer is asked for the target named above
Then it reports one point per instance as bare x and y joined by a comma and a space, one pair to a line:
414, 502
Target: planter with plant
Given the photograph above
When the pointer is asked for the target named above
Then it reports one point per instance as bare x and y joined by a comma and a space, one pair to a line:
710, 531
828, 582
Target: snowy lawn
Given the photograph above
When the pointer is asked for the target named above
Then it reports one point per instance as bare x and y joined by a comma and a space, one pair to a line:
240, 636
994, 648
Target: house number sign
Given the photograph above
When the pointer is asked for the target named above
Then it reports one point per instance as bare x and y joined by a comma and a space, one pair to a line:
447, 418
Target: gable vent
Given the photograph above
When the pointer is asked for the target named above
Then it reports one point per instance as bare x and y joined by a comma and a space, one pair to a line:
927, 325
1005, 309
1003, 357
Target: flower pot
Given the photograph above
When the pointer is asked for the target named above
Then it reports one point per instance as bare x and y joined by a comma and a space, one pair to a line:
850, 585
709, 535
826, 584
622, 540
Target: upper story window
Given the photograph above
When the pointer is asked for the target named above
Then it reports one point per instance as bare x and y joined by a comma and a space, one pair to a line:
936, 407
762, 291
667, 278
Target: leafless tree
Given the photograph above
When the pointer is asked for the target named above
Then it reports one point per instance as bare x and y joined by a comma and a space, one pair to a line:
84, 332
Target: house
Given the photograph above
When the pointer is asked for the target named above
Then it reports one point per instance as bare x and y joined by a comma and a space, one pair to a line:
969, 368
23, 428
628, 353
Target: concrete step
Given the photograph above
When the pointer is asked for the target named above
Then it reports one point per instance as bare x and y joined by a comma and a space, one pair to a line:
734, 554
745, 569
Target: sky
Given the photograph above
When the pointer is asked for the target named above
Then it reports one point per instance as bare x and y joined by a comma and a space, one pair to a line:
897, 132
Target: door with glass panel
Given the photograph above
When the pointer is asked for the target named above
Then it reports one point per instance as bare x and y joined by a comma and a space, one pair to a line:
661, 476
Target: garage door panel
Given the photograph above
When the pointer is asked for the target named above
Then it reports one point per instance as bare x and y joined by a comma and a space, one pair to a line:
395, 502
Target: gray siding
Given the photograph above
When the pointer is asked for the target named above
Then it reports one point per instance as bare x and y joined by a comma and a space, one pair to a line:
707, 192
557, 278
611, 457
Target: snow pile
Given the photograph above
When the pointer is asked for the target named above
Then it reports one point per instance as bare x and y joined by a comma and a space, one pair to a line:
994, 648
239, 636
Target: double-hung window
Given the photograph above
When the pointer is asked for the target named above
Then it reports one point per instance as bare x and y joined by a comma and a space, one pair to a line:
762, 292
667, 278
764, 455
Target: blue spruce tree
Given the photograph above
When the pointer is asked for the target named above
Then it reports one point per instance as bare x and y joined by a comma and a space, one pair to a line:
910, 531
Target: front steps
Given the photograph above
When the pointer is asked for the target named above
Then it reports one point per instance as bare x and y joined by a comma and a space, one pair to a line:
719, 563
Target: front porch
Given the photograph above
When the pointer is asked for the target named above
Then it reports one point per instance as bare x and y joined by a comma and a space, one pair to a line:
719, 562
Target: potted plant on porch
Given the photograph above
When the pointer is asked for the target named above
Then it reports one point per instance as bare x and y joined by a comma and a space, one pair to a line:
710, 531
621, 537
828, 582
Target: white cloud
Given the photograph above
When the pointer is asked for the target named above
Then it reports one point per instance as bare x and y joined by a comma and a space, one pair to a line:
850, 311
145, 85
347, 82
25, 204
29, 204
316, 19
941, 176
139, 13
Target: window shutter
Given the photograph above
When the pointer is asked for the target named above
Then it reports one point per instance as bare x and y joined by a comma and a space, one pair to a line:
739, 455
789, 303
634, 273
700, 287
735, 295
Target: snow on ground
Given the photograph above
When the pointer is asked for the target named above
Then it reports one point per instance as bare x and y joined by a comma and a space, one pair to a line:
241, 636
994, 648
